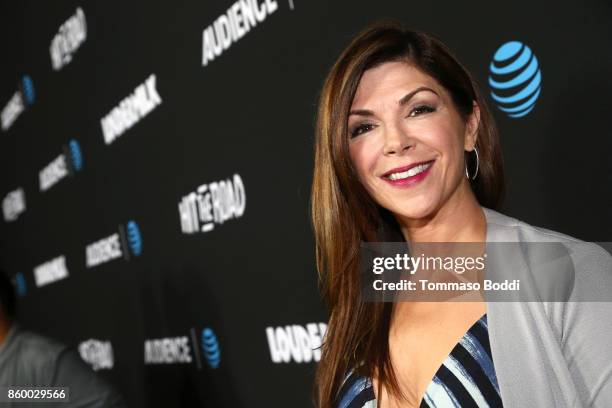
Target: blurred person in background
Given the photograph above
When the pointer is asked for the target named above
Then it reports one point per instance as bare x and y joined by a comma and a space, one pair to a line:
28, 359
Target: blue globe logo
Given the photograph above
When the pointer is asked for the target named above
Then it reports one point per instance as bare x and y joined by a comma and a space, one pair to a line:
27, 89
75, 154
515, 79
20, 284
134, 238
210, 348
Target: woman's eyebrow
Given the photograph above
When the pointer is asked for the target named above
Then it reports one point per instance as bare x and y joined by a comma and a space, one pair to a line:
403, 101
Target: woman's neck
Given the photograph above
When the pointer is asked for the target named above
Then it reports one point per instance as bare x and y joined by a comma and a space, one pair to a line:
460, 219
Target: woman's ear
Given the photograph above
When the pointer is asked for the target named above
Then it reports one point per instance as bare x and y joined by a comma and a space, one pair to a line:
471, 129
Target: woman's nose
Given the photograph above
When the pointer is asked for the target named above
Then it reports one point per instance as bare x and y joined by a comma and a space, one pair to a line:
397, 141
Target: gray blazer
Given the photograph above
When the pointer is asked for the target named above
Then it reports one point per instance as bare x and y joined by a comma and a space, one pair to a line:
552, 354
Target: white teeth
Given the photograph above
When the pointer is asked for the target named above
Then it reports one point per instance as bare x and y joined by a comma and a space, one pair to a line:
411, 172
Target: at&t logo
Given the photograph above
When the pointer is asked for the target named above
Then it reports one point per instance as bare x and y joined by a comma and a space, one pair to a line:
515, 79
210, 348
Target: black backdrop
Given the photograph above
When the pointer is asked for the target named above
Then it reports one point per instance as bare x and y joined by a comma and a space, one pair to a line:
249, 112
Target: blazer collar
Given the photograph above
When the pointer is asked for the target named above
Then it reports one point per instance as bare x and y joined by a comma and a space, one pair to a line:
500, 227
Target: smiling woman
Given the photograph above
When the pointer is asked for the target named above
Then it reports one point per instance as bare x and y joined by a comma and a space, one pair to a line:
409, 154
407, 150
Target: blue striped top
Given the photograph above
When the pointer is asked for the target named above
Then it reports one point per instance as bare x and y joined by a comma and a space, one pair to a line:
465, 379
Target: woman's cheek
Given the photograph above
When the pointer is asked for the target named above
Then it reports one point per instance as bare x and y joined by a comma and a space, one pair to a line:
360, 165
362, 157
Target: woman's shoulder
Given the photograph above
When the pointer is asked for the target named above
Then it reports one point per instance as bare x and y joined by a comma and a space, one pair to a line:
504, 228
588, 263
501, 223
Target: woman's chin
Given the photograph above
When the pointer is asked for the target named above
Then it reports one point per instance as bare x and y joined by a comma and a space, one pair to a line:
414, 211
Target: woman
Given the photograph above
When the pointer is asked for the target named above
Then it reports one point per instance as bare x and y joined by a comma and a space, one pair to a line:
406, 150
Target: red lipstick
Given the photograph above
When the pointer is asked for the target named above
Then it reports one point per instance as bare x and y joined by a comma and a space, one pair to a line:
408, 181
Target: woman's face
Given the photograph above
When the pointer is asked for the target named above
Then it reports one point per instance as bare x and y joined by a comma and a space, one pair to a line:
407, 140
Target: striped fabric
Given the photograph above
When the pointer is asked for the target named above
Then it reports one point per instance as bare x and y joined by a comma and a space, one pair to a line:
465, 379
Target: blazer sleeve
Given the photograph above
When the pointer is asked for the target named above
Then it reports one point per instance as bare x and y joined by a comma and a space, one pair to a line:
587, 326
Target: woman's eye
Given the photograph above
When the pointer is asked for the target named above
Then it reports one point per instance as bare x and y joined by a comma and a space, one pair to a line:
366, 126
422, 108
360, 129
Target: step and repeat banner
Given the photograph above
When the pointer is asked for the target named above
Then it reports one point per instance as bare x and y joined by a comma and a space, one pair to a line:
156, 159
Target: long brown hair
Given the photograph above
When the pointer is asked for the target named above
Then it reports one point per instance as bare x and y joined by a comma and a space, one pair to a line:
343, 214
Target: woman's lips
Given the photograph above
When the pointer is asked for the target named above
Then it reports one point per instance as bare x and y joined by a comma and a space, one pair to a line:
408, 178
